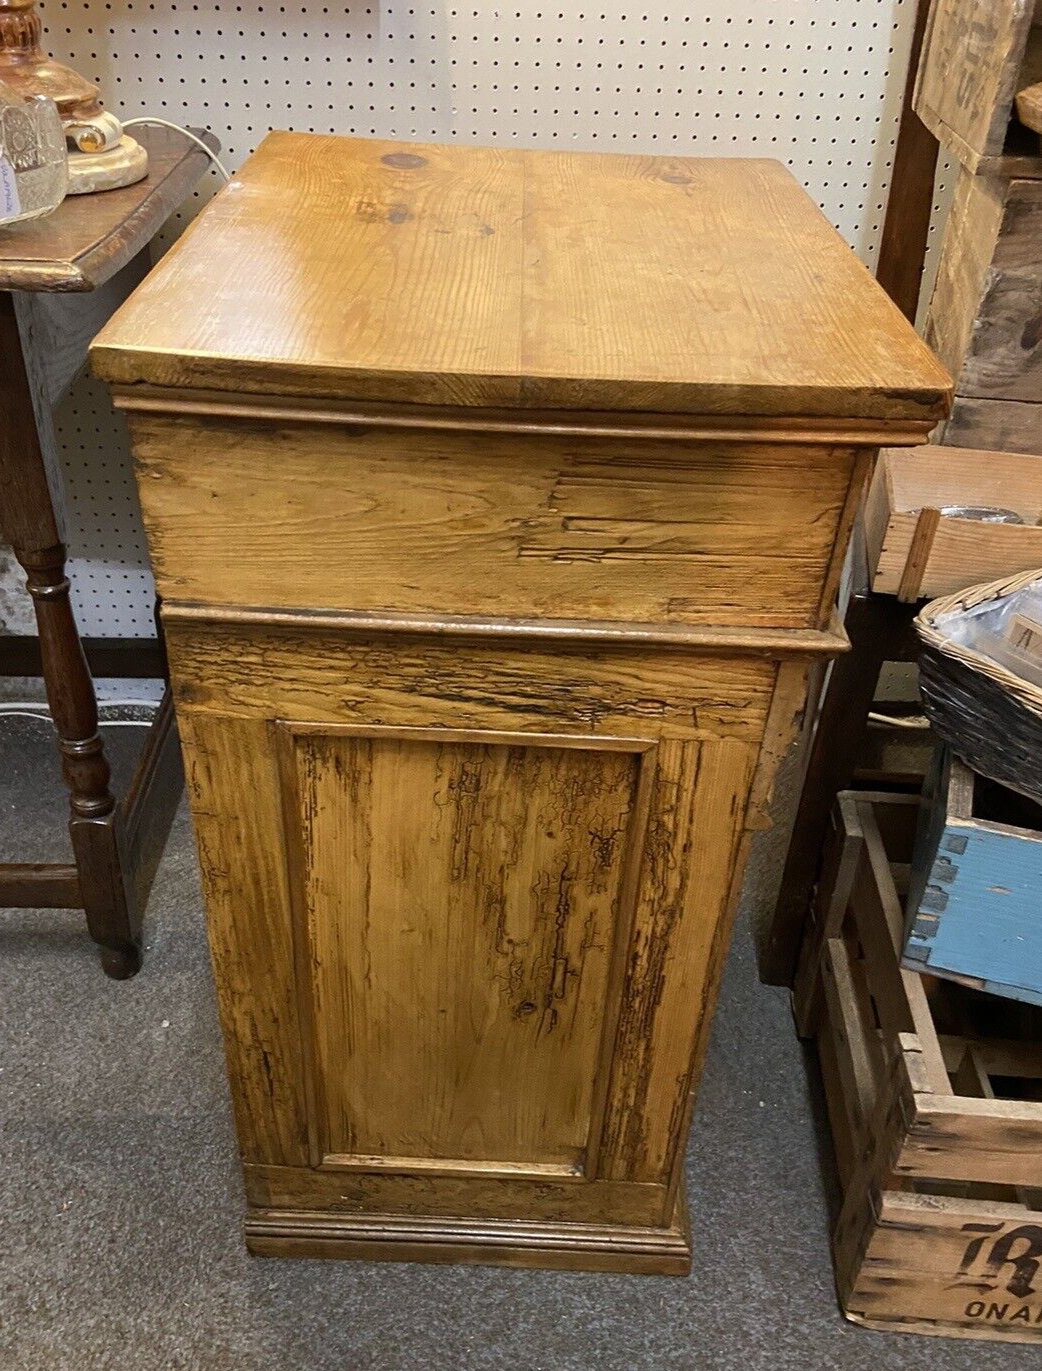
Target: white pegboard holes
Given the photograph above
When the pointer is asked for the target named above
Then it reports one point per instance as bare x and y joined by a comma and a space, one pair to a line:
112, 587
815, 83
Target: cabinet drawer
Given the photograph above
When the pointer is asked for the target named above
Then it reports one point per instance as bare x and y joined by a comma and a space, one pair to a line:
301, 515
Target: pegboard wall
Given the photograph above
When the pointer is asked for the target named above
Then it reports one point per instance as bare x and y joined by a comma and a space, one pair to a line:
815, 83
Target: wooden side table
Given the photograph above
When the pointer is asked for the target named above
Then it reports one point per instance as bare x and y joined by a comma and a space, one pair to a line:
60, 279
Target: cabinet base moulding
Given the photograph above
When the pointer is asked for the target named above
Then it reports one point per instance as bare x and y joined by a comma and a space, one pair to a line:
408, 1238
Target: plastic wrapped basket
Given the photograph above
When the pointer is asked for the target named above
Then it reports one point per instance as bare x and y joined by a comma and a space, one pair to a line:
990, 716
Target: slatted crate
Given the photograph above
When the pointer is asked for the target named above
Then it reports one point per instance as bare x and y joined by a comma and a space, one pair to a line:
960, 552
977, 54
934, 1094
972, 914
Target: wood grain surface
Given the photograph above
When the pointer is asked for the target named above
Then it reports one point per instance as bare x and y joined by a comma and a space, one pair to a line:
364, 269
560, 527
937, 1135
1004, 425
1029, 107
944, 1266
459, 973
660, 1251
984, 318
329, 675
498, 501
964, 552
910, 198
634, 794
976, 55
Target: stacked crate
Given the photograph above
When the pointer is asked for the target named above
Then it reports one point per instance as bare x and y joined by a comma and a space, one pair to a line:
934, 1094
973, 904
985, 316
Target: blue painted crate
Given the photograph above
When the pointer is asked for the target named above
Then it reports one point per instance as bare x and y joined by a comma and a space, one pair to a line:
975, 897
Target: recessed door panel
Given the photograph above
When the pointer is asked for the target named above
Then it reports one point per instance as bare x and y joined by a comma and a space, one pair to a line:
459, 905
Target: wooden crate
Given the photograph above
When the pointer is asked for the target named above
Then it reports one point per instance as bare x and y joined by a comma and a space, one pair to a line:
983, 315
933, 1094
973, 913
977, 54
1012, 425
962, 552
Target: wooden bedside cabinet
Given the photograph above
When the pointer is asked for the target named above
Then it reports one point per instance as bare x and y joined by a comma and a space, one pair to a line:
497, 500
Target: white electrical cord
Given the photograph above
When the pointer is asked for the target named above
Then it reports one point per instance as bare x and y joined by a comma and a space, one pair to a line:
32, 709
13, 706
917, 721
166, 124
46, 719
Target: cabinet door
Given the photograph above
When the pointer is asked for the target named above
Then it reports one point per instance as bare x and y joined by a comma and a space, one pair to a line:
458, 903
478, 957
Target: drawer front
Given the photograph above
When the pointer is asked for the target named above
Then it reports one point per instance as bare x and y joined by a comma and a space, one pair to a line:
459, 943
497, 525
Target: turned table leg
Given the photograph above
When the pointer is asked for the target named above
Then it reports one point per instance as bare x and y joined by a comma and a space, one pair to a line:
31, 525
94, 820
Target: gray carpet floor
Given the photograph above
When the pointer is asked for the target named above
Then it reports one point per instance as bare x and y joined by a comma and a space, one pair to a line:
120, 1199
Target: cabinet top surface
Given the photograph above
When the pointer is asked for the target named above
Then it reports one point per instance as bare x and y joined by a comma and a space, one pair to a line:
355, 269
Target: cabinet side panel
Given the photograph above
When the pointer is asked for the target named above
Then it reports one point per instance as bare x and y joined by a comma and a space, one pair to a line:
233, 785
698, 804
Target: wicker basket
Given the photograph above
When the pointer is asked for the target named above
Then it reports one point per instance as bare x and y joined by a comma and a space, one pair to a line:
989, 716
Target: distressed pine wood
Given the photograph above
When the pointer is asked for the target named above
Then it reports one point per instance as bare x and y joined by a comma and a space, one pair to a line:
426, 1193
564, 528
543, 279
939, 1229
814, 429
534, 835
498, 511
963, 552
338, 676
695, 791
710, 639
242, 859
977, 54
654, 1251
